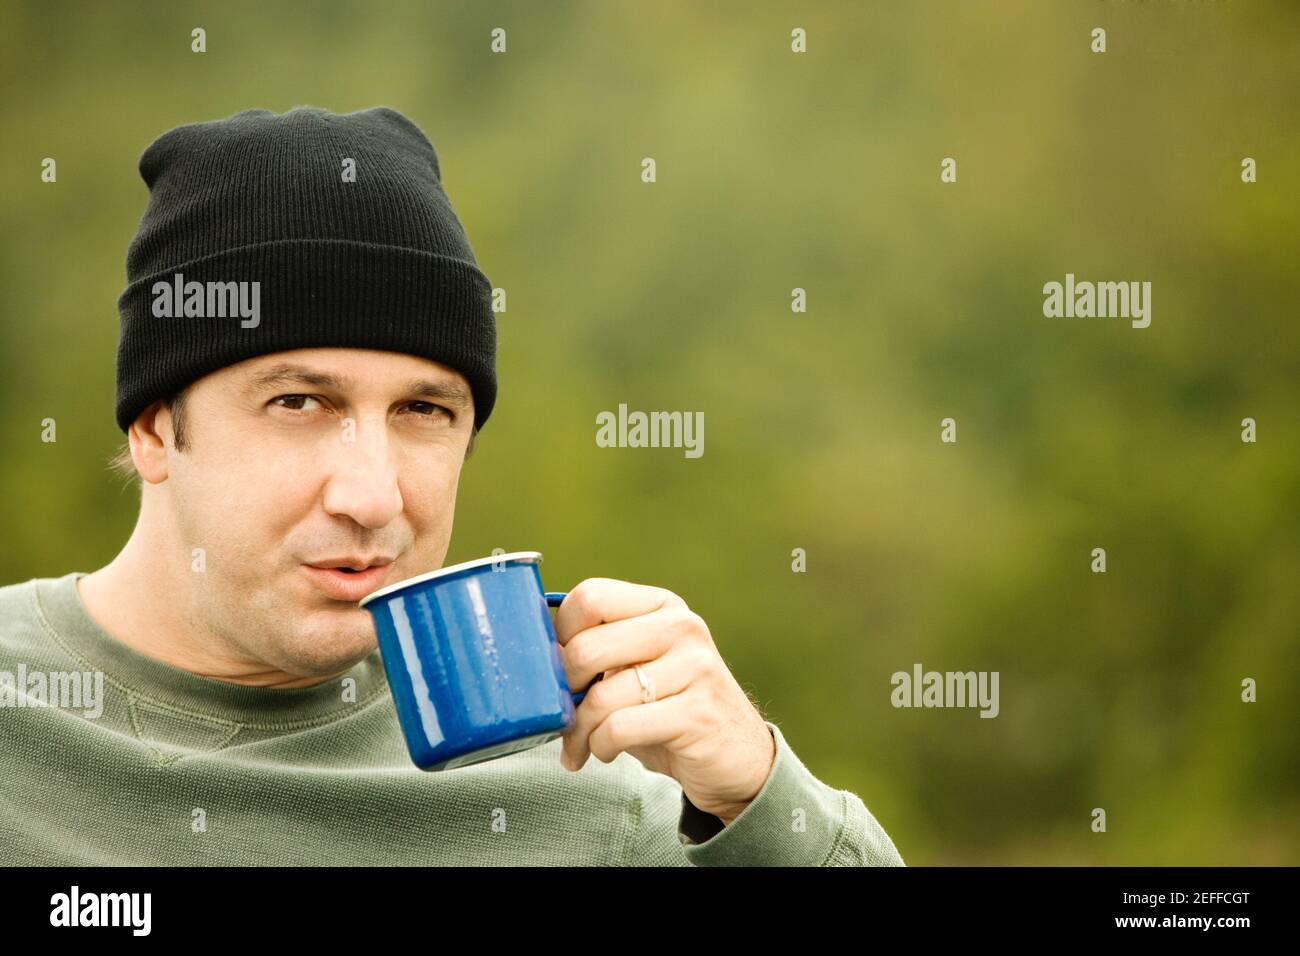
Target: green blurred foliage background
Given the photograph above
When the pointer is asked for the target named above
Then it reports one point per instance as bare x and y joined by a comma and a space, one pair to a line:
821, 171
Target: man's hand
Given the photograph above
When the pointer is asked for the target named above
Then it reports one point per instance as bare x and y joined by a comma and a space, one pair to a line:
700, 728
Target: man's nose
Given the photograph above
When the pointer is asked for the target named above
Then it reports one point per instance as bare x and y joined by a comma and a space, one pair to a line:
363, 484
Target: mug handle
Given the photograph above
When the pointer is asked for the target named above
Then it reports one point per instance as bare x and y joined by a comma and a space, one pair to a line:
553, 599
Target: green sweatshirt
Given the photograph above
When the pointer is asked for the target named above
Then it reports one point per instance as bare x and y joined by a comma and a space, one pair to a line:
113, 758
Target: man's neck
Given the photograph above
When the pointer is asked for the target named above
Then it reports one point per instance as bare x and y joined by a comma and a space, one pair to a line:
143, 600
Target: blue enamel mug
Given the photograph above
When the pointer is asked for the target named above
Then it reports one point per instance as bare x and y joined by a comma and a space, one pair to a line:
473, 661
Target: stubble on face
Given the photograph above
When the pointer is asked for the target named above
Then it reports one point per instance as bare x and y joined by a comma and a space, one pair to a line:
268, 485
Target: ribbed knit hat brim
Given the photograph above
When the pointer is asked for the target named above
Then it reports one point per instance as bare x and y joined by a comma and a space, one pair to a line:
379, 263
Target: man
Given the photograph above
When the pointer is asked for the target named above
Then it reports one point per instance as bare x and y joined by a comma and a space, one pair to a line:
307, 352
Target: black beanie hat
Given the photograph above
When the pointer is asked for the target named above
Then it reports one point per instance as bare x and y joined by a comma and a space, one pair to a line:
380, 263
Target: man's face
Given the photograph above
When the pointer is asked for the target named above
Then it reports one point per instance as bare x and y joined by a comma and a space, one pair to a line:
314, 457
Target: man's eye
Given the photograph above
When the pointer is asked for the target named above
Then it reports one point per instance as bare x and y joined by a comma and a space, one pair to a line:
293, 398
422, 409
434, 409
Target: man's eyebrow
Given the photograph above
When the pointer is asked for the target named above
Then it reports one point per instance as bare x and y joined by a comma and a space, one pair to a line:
453, 393
281, 375
278, 375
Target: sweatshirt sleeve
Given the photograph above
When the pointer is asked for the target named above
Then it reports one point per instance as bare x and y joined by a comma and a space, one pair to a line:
795, 820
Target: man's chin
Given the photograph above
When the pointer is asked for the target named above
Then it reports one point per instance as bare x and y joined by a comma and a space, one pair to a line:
327, 668
335, 638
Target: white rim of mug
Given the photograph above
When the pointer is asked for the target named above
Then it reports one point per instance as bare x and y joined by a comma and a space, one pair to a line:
534, 557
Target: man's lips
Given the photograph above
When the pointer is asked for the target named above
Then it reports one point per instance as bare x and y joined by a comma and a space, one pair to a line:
348, 586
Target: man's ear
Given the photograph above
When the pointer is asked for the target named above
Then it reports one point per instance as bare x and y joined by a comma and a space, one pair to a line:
148, 449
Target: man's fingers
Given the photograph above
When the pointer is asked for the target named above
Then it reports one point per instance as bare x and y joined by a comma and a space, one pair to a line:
604, 600
666, 677
618, 644
647, 725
